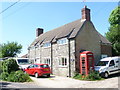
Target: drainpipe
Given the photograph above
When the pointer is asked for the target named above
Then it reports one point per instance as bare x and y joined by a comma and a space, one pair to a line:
51, 59
35, 55
69, 57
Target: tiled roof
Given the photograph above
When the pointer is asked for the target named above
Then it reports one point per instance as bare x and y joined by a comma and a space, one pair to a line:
103, 39
69, 30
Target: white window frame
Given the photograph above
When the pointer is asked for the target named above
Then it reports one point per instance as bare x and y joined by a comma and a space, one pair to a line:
47, 61
62, 41
62, 62
46, 45
104, 56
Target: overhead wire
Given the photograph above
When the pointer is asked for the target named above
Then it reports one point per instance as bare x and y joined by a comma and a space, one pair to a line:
9, 7
18, 9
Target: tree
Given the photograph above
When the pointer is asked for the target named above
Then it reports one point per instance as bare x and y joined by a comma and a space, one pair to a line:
113, 35
10, 49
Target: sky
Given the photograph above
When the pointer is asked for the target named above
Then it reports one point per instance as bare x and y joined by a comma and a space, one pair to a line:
19, 22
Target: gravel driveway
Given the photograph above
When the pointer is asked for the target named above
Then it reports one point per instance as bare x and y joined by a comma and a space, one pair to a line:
65, 82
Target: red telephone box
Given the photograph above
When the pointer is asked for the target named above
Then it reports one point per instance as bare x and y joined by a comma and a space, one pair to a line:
86, 62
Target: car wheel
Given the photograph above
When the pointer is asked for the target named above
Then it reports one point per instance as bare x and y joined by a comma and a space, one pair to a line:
36, 75
48, 75
106, 75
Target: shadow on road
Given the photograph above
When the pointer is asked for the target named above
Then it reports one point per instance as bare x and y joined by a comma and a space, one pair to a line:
44, 76
4, 84
114, 75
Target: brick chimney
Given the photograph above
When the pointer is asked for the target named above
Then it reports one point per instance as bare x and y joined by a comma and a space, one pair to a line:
39, 31
86, 13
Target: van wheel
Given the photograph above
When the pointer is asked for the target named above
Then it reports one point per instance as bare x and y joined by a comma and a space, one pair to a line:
36, 75
105, 75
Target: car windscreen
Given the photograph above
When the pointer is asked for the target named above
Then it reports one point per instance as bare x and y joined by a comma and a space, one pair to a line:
102, 63
44, 66
23, 61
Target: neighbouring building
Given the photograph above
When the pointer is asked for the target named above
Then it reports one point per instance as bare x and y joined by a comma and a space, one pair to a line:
60, 47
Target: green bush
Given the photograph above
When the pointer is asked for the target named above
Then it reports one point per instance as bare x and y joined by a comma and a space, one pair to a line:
9, 65
10, 72
1, 70
93, 75
4, 76
11, 77
19, 76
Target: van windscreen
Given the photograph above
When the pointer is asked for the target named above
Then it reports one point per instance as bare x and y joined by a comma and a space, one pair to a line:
102, 63
23, 61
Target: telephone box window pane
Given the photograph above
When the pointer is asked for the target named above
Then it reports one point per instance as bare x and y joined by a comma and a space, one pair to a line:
90, 58
65, 61
83, 58
62, 61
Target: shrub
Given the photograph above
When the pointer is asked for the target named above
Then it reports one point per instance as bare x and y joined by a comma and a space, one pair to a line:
4, 76
11, 77
10, 73
19, 76
9, 65
1, 67
93, 75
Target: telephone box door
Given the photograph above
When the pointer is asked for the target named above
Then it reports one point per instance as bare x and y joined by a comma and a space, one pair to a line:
86, 62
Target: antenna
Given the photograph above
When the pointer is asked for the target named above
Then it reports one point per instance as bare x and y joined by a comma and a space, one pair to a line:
84, 1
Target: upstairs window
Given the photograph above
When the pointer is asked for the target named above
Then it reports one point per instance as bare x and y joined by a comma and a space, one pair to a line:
62, 41
46, 44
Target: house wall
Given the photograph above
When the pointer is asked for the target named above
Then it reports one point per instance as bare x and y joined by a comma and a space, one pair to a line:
72, 57
45, 53
106, 50
87, 39
31, 53
55, 52
60, 51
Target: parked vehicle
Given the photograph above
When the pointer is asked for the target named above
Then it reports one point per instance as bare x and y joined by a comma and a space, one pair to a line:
108, 66
22, 62
38, 70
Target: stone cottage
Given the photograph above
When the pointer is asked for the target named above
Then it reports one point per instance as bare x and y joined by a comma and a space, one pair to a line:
61, 47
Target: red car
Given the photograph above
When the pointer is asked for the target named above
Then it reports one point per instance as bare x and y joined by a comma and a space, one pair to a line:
38, 70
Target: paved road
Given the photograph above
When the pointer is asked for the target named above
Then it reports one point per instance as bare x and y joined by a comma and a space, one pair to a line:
63, 82
5, 84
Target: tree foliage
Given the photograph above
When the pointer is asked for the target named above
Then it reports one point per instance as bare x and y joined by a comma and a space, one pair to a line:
10, 49
9, 65
113, 35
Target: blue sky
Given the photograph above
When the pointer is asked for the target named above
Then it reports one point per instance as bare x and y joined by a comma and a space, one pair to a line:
19, 22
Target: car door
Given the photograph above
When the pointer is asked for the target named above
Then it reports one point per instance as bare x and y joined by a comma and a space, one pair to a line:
112, 67
30, 69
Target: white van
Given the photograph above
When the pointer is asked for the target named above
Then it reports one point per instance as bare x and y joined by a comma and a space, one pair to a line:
108, 66
22, 62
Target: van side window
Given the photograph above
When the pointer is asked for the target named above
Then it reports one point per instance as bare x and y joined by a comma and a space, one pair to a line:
112, 63
117, 61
